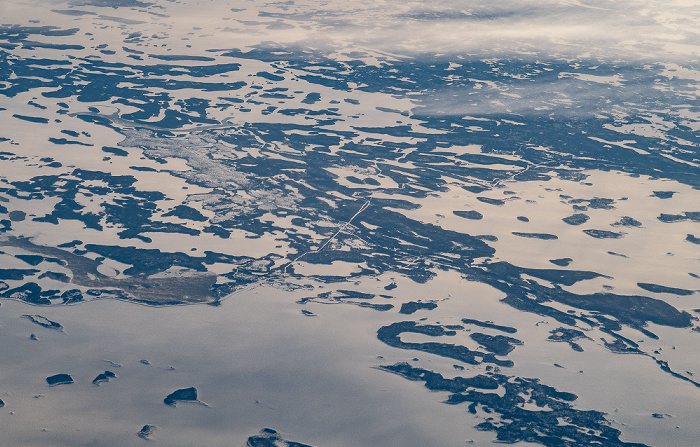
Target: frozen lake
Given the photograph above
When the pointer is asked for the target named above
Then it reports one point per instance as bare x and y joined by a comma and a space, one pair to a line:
349, 224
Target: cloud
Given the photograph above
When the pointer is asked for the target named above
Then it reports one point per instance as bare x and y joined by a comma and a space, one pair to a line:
605, 28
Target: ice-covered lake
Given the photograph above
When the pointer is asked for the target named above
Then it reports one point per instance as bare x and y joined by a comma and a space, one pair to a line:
349, 224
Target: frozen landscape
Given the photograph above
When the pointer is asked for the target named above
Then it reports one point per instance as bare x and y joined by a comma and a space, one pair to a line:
349, 224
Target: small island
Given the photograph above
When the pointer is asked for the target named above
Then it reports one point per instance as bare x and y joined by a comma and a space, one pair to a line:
59, 379
181, 395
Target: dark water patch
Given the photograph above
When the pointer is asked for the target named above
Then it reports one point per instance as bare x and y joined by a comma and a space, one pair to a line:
391, 286
661, 415
664, 367
18, 33
414, 306
612, 253
490, 201
498, 344
63, 141
601, 203
308, 313
693, 216
186, 212
17, 216
693, 239
470, 214
33, 293
139, 287
565, 277
348, 297
30, 292
569, 336
486, 237
630, 309
664, 289
308, 112
44, 322
181, 395
620, 346
96, 120
530, 296
31, 45
311, 98
354, 294
603, 234
59, 379
104, 81
72, 296
542, 236
269, 76
576, 219
436, 382
627, 221
146, 431
147, 261
476, 189
68, 207
131, 50
271, 109
378, 307
71, 133
561, 262
115, 151
515, 424
104, 377
663, 194
143, 168
38, 106
490, 325
217, 231
4, 155
135, 215
34, 260
271, 438
391, 336
56, 276
31, 119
